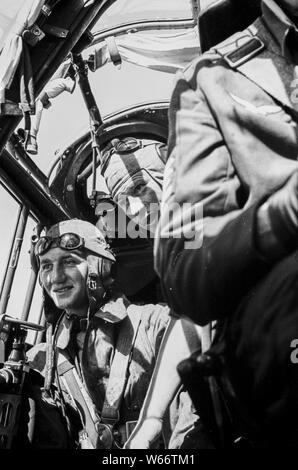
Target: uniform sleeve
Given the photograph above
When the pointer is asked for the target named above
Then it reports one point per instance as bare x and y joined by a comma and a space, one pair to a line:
156, 323
182, 418
205, 239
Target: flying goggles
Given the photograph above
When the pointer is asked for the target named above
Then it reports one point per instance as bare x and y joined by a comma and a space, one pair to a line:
67, 241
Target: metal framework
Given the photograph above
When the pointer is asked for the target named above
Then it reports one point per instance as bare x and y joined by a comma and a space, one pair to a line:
48, 203
16, 246
19, 175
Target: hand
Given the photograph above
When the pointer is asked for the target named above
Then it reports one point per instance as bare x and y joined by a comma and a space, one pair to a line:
278, 218
145, 434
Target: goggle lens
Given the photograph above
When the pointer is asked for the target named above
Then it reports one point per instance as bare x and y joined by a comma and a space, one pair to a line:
67, 241
70, 241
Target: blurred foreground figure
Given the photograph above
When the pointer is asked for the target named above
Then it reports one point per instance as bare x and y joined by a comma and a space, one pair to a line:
227, 241
99, 359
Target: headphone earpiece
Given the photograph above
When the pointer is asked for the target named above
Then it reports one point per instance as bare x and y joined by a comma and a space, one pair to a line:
105, 271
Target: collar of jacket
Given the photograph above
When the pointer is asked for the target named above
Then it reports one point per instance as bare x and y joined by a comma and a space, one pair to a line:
114, 311
278, 24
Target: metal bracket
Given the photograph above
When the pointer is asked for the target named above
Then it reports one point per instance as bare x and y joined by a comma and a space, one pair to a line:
46, 10
33, 35
55, 31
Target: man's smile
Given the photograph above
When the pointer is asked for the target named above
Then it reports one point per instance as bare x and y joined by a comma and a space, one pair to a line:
62, 290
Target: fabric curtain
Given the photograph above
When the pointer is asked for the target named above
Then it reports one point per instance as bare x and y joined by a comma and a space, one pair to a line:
8, 12
12, 50
166, 52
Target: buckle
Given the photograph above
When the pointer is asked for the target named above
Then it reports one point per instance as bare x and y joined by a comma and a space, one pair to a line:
129, 427
244, 53
46, 10
122, 433
110, 416
105, 436
92, 282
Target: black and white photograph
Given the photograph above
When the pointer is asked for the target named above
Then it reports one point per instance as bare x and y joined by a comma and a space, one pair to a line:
148, 228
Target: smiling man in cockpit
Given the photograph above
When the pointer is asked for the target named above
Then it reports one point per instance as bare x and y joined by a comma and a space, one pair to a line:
98, 362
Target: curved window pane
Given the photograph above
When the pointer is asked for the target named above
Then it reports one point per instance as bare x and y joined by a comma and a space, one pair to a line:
131, 11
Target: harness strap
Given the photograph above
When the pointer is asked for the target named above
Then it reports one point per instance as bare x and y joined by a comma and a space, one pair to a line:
113, 50
119, 372
49, 358
94, 426
80, 398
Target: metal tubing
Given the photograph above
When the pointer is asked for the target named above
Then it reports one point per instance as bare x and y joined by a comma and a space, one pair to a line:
13, 259
95, 116
90, 102
78, 27
48, 63
30, 187
41, 321
11, 248
33, 275
16, 148
29, 295
142, 26
94, 168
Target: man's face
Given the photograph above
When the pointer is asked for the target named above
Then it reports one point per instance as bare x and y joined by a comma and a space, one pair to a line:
63, 275
289, 6
140, 200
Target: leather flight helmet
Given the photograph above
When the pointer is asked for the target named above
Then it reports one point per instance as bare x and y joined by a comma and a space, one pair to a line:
100, 261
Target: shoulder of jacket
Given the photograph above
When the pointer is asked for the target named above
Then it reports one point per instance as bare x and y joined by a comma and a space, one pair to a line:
148, 310
215, 55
